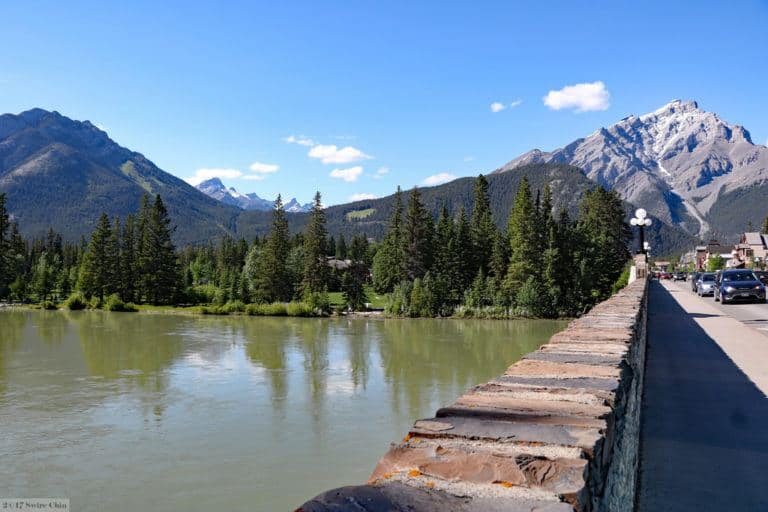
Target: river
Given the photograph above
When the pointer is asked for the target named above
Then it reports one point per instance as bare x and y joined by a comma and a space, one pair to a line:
127, 412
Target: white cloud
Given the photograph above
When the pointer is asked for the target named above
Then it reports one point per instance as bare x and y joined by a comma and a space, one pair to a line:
362, 196
439, 179
350, 174
207, 173
299, 139
332, 154
469, 158
581, 97
254, 177
498, 106
263, 168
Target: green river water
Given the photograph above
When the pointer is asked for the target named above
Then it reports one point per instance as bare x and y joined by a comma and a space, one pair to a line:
152, 412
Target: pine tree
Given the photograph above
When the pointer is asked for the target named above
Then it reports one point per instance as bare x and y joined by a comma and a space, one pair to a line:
389, 262
315, 278
499, 258
6, 265
483, 228
97, 276
341, 248
128, 260
605, 236
521, 231
266, 270
43, 277
465, 265
418, 232
157, 261
765, 225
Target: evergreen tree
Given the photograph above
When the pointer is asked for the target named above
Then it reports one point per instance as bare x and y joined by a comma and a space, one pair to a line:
521, 230
128, 260
765, 225
315, 278
6, 265
483, 228
157, 260
499, 258
605, 236
418, 231
389, 261
465, 265
341, 248
43, 277
267, 270
97, 274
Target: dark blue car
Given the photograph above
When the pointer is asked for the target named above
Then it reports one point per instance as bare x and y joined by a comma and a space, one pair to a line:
738, 285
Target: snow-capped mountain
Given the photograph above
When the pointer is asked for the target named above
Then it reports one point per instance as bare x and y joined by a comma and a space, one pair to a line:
216, 189
680, 162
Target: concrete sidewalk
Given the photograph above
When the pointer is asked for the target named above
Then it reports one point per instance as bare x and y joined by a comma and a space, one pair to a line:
704, 439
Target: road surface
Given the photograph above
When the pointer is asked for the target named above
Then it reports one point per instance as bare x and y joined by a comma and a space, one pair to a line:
704, 438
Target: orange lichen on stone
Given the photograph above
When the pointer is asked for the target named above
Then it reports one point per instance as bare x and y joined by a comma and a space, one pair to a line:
414, 473
407, 438
504, 483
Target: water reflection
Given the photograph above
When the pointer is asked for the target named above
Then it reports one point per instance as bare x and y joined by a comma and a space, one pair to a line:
177, 412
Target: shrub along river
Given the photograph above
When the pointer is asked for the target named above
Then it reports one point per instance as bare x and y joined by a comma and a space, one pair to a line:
121, 411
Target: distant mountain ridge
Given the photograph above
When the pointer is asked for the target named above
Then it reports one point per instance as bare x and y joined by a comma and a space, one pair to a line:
63, 174
682, 163
216, 189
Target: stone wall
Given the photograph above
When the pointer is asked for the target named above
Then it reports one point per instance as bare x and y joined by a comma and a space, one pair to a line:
559, 431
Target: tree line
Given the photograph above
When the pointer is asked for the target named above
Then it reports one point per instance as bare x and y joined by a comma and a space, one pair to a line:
135, 261
543, 264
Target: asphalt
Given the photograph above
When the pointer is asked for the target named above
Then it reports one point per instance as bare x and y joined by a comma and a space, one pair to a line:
704, 435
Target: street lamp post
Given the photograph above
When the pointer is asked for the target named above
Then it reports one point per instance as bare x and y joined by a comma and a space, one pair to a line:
642, 221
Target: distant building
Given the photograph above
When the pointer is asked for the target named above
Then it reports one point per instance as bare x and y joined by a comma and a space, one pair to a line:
752, 250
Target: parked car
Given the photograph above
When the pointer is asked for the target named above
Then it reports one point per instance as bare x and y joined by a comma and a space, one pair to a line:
694, 278
705, 284
665, 275
679, 276
762, 275
738, 284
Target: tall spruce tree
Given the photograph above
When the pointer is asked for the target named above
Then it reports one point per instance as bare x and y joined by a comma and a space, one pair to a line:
389, 261
523, 247
316, 270
418, 233
6, 265
483, 227
128, 260
605, 237
765, 225
272, 280
157, 260
97, 274
465, 251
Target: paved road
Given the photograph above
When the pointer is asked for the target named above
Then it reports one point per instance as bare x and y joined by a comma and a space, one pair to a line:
755, 315
704, 439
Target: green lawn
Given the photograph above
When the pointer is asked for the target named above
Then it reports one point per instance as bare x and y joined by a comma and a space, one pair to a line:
360, 214
377, 301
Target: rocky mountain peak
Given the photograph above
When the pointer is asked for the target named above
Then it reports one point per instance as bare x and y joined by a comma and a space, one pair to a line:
676, 161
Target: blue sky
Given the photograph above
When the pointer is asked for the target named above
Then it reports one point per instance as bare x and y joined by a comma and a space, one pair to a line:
373, 94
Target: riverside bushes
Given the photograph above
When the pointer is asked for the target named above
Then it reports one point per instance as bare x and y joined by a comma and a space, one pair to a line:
114, 303
76, 302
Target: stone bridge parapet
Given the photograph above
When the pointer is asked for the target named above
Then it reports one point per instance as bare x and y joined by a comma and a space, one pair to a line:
559, 431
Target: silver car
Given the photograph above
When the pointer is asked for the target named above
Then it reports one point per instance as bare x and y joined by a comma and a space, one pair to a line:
705, 285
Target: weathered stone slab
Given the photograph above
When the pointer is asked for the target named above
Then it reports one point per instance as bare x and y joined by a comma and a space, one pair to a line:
509, 431
573, 382
531, 368
589, 358
542, 407
534, 418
